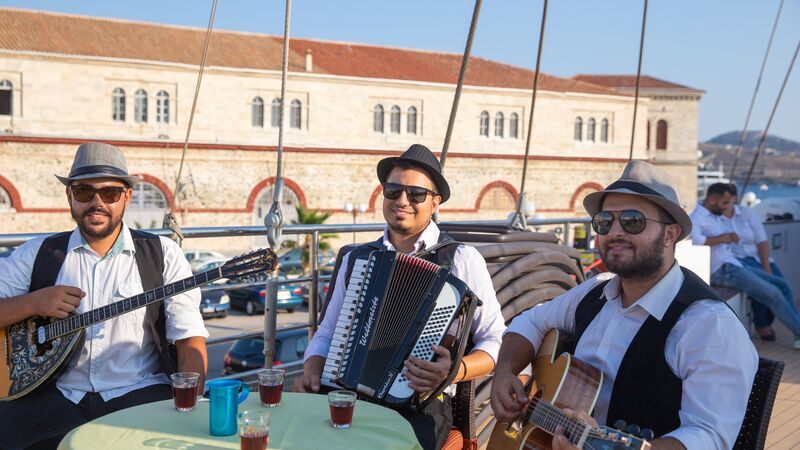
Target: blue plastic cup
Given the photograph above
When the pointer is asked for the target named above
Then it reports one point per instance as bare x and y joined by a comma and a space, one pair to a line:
225, 398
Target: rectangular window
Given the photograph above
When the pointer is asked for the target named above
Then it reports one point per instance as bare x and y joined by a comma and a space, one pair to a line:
5, 102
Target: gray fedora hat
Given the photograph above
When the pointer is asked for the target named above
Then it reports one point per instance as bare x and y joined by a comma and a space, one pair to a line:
99, 160
648, 181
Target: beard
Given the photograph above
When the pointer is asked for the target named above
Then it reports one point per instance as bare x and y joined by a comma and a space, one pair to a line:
645, 262
94, 231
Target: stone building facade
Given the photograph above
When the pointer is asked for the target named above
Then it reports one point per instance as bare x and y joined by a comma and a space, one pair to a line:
348, 106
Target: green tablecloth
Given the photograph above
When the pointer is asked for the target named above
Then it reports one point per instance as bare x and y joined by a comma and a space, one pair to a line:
300, 422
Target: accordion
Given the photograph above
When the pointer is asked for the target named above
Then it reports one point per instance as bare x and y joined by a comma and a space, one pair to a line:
396, 305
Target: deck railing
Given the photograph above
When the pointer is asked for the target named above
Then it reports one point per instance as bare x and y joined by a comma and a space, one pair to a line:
562, 226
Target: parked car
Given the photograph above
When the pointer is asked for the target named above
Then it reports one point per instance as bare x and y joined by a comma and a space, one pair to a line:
208, 265
198, 257
5, 252
251, 298
291, 262
248, 354
214, 303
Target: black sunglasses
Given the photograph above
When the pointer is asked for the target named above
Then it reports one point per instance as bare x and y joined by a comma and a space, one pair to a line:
631, 221
415, 194
85, 193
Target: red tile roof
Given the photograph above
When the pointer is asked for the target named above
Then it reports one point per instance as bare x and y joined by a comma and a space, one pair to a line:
629, 82
46, 32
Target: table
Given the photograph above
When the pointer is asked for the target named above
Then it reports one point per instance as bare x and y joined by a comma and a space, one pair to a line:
300, 422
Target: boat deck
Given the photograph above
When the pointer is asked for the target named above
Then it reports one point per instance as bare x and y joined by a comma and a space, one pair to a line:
784, 430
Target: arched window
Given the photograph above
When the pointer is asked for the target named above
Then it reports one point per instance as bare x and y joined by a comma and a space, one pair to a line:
264, 202
590, 129
6, 98
661, 135
578, 129
257, 112
377, 119
411, 120
394, 120
498, 124
118, 105
140, 106
275, 113
162, 107
5, 200
484, 123
604, 130
513, 126
498, 199
147, 206
647, 135
296, 114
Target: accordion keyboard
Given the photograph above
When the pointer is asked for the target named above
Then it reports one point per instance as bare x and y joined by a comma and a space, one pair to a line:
345, 323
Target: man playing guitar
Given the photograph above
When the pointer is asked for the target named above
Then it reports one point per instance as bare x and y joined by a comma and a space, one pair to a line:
120, 363
674, 358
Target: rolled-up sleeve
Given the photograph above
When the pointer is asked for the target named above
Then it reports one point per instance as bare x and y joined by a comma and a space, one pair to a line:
487, 324
183, 310
698, 226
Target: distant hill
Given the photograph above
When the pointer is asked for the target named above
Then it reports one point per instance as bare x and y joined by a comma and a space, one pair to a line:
779, 161
751, 141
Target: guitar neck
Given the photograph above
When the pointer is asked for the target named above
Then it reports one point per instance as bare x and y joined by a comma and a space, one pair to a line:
79, 321
549, 417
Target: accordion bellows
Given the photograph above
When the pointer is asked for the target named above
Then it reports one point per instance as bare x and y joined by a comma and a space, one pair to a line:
395, 305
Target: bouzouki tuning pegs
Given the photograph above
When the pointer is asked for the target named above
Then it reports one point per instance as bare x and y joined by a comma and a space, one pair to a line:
633, 429
647, 434
620, 424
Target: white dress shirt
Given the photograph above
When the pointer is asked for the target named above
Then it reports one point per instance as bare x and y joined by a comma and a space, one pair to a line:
468, 265
706, 225
708, 349
746, 223
119, 355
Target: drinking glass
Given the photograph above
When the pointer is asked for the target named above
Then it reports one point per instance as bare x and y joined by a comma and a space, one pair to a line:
270, 386
342, 404
253, 430
184, 390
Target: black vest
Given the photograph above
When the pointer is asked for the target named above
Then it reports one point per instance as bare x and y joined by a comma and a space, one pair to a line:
442, 253
150, 262
646, 392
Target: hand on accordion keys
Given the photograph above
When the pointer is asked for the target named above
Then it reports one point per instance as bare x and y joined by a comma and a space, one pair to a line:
425, 376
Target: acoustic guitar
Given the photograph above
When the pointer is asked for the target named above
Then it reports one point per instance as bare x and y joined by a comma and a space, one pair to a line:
561, 382
35, 350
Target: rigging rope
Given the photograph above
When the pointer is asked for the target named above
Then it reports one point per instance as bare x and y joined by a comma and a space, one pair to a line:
273, 221
169, 219
769, 122
461, 74
638, 77
755, 92
519, 219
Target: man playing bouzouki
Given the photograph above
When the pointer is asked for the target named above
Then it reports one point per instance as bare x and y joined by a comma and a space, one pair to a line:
120, 363
674, 358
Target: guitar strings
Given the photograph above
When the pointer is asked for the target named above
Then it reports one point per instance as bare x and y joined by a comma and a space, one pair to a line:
553, 416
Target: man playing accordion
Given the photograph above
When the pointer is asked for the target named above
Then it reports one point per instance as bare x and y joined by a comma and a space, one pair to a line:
413, 188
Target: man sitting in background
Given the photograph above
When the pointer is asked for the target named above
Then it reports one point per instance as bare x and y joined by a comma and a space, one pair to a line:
709, 228
753, 252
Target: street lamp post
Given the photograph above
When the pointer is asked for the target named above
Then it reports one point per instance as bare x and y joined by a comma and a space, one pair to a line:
349, 207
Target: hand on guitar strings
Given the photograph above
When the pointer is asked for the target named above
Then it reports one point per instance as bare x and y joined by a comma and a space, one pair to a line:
426, 376
55, 301
560, 442
508, 397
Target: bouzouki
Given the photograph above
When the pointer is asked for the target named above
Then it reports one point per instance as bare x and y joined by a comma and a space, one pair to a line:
560, 382
35, 350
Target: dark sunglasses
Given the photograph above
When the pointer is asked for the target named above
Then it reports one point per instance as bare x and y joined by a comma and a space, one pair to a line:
85, 193
631, 221
415, 194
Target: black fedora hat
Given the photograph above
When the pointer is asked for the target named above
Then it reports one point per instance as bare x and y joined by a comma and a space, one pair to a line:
418, 156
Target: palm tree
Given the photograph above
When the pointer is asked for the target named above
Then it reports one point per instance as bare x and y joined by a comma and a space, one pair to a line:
310, 217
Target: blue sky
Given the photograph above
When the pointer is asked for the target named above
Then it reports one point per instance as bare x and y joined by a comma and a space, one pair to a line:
712, 45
